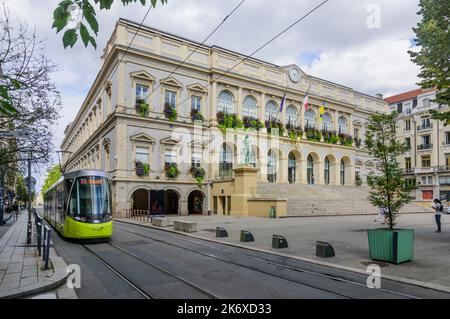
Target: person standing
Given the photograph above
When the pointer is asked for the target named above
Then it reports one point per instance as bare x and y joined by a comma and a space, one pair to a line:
381, 214
438, 209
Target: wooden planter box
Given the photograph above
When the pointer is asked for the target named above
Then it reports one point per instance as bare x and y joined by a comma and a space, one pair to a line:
393, 246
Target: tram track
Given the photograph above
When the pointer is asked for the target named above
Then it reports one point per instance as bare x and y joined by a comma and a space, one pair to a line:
256, 269
272, 262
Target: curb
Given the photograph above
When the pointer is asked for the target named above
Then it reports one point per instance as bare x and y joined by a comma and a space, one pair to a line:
58, 278
313, 261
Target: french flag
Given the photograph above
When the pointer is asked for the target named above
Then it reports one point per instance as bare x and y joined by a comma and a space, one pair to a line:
305, 102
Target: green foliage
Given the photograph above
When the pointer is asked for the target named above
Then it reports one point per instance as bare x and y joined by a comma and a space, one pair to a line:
53, 175
295, 133
172, 170
62, 16
227, 121
330, 137
8, 84
142, 169
346, 140
170, 112
433, 34
274, 126
21, 190
389, 189
142, 107
196, 116
313, 134
444, 116
199, 174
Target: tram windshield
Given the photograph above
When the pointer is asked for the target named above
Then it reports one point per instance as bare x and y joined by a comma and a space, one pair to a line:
90, 200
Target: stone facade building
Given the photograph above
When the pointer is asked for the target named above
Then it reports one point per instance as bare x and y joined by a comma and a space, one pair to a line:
155, 156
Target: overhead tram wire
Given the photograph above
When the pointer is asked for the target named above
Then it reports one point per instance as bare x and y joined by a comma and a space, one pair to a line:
197, 47
260, 48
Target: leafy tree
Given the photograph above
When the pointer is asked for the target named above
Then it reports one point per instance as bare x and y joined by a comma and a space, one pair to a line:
21, 189
389, 189
25, 77
85, 12
433, 34
54, 174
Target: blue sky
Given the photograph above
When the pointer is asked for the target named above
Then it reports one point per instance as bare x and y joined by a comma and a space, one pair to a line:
335, 43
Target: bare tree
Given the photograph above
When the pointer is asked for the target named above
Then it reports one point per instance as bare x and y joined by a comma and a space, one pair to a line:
25, 71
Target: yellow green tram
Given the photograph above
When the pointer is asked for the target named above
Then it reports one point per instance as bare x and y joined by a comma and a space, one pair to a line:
78, 205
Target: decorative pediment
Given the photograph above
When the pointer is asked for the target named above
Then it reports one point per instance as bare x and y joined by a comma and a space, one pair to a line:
172, 82
142, 75
197, 144
143, 137
197, 88
170, 141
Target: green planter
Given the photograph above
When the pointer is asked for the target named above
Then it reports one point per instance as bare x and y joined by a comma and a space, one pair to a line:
394, 246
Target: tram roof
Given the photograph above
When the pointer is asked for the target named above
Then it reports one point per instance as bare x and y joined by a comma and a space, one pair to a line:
78, 173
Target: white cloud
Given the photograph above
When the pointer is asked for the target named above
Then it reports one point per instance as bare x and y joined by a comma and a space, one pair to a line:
382, 66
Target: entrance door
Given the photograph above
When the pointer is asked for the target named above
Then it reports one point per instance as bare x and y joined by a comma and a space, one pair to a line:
195, 203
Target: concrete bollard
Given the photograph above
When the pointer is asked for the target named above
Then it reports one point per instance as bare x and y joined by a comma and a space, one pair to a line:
160, 221
185, 226
246, 236
324, 249
221, 232
279, 241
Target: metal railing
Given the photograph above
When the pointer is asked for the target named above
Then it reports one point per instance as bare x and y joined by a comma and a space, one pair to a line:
138, 214
424, 127
422, 147
43, 236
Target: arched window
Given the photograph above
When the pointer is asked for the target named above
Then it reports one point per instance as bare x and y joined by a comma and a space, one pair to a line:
225, 102
250, 107
272, 166
327, 171
225, 161
342, 122
310, 170
342, 172
291, 115
326, 122
310, 119
292, 165
271, 111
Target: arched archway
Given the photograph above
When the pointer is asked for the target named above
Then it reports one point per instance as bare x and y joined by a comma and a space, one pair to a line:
139, 199
274, 156
312, 168
195, 202
293, 166
345, 172
171, 202
329, 174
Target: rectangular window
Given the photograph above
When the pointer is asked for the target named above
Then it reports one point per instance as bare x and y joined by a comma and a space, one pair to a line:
196, 159
408, 142
399, 107
170, 156
356, 133
447, 138
426, 122
444, 180
196, 103
427, 180
171, 98
447, 160
142, 154
426, 140
414, 104
141, 92
426, 161
407, 125
408, 163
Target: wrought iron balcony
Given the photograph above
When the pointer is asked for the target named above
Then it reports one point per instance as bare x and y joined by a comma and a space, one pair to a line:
424, 127
422, 147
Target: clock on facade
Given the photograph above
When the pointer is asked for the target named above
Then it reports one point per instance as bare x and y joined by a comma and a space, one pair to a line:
294, 75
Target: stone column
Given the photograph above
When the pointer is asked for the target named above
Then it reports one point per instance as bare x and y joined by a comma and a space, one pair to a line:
262, 107
239, 103
282, 171
335, 121
213, 106
318, 173
184, 211
303, 172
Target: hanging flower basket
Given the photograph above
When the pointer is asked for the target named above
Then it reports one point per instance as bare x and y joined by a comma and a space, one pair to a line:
170, 112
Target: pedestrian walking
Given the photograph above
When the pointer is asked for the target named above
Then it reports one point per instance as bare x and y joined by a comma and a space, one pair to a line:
16, 211
438, 210
381, 215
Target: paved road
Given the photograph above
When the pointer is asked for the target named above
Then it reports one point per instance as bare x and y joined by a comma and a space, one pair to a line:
140, 262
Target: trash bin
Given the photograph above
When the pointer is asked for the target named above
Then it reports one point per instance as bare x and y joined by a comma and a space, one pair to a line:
272, 212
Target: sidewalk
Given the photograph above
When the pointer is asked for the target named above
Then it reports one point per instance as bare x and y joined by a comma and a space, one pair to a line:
21, 271
348, 236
